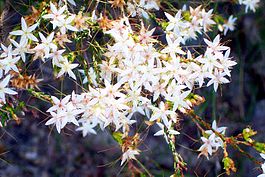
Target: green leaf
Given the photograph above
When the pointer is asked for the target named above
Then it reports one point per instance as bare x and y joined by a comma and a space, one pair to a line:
219, 19
229, 165
118, 137
164, 25
247, 133
259, 147
142, 175
186, 15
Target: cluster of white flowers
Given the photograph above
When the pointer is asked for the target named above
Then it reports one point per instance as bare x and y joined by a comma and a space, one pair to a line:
138, 77
213, 142
60, 19
250, 4
140, 8
47, 47
138, 74
9, 58
214, 64
181, 29
97, 107
200, 20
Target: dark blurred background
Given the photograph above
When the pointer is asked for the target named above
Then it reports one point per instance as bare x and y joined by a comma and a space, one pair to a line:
32, 149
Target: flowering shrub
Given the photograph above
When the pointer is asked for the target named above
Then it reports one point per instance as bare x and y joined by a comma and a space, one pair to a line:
145, 65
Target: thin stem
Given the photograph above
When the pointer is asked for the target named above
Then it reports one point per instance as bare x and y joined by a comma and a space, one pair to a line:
145, 169
179, 164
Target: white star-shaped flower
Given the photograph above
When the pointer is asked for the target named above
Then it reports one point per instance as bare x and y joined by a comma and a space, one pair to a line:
21, 48
67, 67
216, 79
65, 24
129, 154
218, 129
230, 24
56, 15
4, 90
173, 48
9, 63
25, 32
46, 44
164, 130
